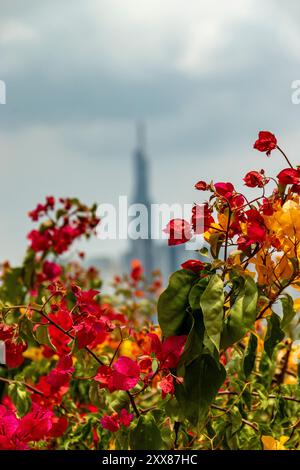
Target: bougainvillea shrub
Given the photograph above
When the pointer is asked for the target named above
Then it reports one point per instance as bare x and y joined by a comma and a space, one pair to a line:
87, 370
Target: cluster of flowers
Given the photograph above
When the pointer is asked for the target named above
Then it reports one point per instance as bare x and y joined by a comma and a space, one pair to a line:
69, 222
39, 424
246, 224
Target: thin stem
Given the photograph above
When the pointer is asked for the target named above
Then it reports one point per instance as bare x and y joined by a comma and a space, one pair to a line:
255, 394
282, 152
227, 234
133, 404
245, 421
18, 382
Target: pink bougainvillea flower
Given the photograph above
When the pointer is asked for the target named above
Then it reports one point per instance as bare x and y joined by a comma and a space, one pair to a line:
167, 385
266, 142
179, 231
15, 434
254, 179
126, 373
193, 265
125, 418
289, 176
35, 425
168, 353
113, 422
224, 189
123, 375
51, 271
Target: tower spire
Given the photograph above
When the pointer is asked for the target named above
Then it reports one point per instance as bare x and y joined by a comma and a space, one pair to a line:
141, 136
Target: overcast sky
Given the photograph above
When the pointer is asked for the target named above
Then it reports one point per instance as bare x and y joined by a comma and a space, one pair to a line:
206, 76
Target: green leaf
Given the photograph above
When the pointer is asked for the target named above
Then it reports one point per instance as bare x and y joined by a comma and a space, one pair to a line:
287, 303
202, 380
29, 269
274, 334
242, 314
173, 410
212, 304
146, 435
42, 336
97, 395
194, 343
12, 289
215, 241
173, 302
20, 398
196, 293
250, 356
120, 401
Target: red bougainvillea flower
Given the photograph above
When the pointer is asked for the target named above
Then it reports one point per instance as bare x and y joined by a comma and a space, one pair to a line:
193, 265
254, 179
59, 426
201, 218
62, 373
39, 241
85, 300
201, 186
137, 270
51, 271
35, 425
123, 375
289, 176
267, 208
41, 209
266, 142
168, 353
113, 422
90, 330
179, 231
14, 353
256, 230
224, 189
60, 340
167, 385
6, 332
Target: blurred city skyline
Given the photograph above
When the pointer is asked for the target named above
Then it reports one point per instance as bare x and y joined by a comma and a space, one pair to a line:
205, 77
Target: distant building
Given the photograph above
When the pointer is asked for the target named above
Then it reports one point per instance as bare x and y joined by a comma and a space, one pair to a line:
154, 255
142, 248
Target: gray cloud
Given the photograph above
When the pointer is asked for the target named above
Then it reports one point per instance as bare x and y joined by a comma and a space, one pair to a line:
205, 79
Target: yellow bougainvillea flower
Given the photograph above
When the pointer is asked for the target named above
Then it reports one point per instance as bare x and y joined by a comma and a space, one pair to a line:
297, 305
35, 354
269, 443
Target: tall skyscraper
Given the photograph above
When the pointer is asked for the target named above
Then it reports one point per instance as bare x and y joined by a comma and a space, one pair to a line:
142, 247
